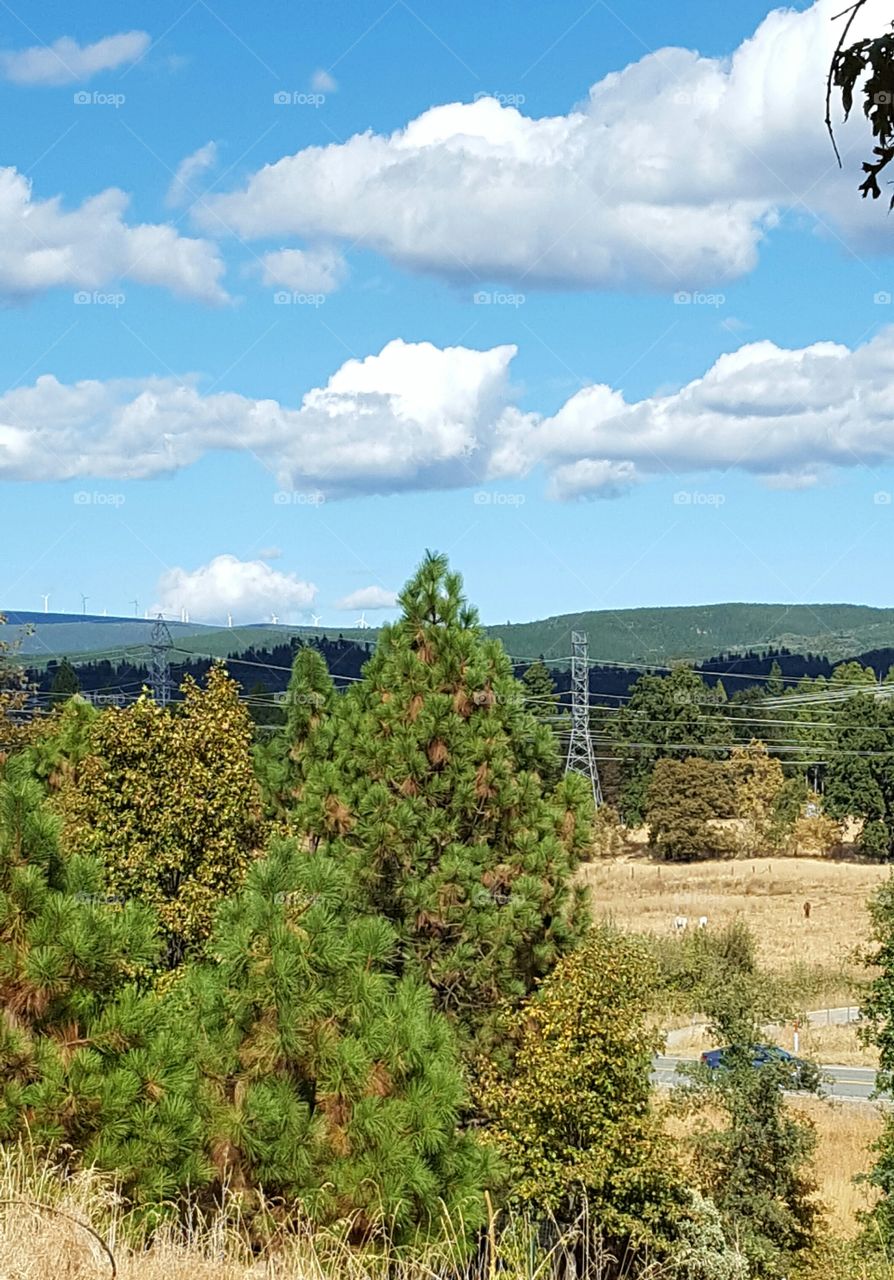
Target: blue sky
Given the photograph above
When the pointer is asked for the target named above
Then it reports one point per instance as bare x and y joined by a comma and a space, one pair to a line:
506, 296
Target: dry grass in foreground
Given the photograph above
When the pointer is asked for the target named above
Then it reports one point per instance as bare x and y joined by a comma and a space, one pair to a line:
846, 1131
76, 1228
768, 893
81, 1232
58, 1228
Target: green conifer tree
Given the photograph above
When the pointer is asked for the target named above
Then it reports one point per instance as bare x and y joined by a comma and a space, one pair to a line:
281, 763
62, 742
330, 1082
90, 1068
65, 684
775, 684
541, 698
428, 781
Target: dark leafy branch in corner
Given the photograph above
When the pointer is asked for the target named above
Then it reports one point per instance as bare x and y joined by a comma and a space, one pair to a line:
850, 63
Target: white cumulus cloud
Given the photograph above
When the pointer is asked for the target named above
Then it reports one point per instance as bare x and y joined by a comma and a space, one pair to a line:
368, 598
668, 176
785, 415
67, 62
43, 246
189, 171
245, 590
416, 417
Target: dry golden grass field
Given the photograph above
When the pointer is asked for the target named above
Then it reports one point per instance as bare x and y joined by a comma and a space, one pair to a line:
768, 893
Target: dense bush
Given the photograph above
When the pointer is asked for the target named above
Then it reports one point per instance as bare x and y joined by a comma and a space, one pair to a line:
683, 802
571, 1113
755, 1163
168, 802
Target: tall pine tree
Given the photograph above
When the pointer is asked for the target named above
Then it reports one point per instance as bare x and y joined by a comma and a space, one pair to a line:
428, 781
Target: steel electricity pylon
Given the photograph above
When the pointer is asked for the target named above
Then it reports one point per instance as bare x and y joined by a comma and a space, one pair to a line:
581, 756
160, 646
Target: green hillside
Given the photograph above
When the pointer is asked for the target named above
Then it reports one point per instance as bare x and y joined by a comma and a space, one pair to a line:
693, 632
700, 631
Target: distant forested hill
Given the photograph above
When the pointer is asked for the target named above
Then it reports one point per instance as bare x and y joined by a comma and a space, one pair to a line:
696, 632
693, 632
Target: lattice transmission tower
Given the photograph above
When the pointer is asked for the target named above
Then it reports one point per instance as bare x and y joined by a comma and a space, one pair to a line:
160, 646
581, 756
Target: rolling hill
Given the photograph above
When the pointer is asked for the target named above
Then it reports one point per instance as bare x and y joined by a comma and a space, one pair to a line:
697, 632
639, 636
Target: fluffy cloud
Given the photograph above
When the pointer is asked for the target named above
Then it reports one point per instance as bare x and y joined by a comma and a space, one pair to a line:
668, 176
417, 417
189, 171
44, 247
246, 590
369, 598
306, 270
67, 62
413, 416
785, 415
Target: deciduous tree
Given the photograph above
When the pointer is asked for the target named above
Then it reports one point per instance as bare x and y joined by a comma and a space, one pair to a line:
684, 799
673, 716
168, 801
758, 781
754, 1164
572, 1115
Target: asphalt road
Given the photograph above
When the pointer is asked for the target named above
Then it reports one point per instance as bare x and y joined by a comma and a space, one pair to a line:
851, 1084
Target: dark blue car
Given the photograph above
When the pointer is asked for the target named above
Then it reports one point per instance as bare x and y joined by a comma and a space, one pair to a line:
763, 1055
